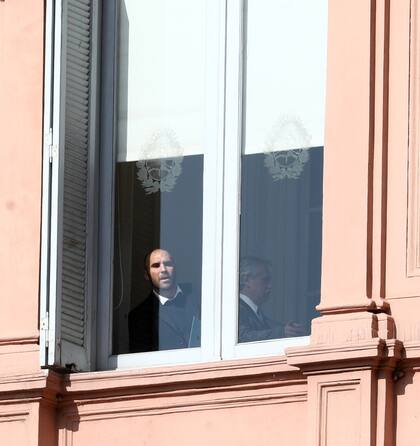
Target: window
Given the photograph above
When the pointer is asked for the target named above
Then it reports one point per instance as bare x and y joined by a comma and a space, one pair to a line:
185, 193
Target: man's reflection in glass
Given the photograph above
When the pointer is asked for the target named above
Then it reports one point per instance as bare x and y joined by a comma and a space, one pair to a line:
255, 289
167, 319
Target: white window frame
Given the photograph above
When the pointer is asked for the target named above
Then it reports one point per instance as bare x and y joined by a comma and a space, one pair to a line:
221, 200
234, 110
212, 213
47, 229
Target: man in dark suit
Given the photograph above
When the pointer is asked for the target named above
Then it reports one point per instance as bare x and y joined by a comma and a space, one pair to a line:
167, 319
255, 289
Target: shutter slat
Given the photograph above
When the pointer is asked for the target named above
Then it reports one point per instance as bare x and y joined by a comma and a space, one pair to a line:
79, 87
76, 210
72, 306
72, 291
74, 268
82, 5
76, 179
78, 69
72, 312
77, 184
70, 337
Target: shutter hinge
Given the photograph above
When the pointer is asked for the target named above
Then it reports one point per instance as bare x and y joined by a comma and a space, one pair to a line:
45, 326
52, 148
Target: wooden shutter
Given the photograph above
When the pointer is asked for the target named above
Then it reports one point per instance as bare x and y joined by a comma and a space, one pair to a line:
72, 277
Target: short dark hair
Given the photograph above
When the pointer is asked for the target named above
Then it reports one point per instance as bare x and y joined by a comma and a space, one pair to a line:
146, 259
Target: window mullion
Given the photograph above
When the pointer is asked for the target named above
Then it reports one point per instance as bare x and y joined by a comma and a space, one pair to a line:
213, 181
232, 189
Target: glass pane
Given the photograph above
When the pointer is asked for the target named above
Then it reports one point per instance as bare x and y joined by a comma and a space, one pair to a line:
281, 191
159, 175
161, 71
285, 74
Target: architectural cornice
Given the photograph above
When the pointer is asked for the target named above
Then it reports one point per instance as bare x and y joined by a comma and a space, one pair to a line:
43, 385
376, 353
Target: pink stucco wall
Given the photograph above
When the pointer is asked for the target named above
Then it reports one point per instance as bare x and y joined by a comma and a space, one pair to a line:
237, 402
357, 383
265, 424
21, 90
21, 96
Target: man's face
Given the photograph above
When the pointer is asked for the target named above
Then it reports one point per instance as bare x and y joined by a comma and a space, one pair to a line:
161, 270
258, 285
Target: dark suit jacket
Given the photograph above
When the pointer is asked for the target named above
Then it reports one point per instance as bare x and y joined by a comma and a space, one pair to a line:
153, 326
251, 328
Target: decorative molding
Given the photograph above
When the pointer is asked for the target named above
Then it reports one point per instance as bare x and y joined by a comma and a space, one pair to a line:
27, 381
209, 387
351, 327
65, 436
19, 356
203, 387
409, 332
43, 386
325, 391
140, 407
16, 426
194, 393
275, 367
372, 354
19, 340
413, 217
15, 415
403, 238
412, 352
355, 307
377, 163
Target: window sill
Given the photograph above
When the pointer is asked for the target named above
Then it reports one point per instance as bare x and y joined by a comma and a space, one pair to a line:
186, 376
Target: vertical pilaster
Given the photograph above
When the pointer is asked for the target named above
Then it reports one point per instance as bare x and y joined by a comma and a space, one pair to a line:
355, 159
353, 351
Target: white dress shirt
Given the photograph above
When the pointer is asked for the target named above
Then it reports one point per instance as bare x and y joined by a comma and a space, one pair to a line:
163, 299
251, 304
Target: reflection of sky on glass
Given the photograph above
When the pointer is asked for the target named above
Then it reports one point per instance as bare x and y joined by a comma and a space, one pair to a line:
286, 74
164, 83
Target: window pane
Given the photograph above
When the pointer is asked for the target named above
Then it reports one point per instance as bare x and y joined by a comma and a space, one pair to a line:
161, 71
158, 205
285, 74
281, 191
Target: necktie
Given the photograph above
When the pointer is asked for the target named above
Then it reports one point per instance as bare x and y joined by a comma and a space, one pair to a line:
260, 316
262, 319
